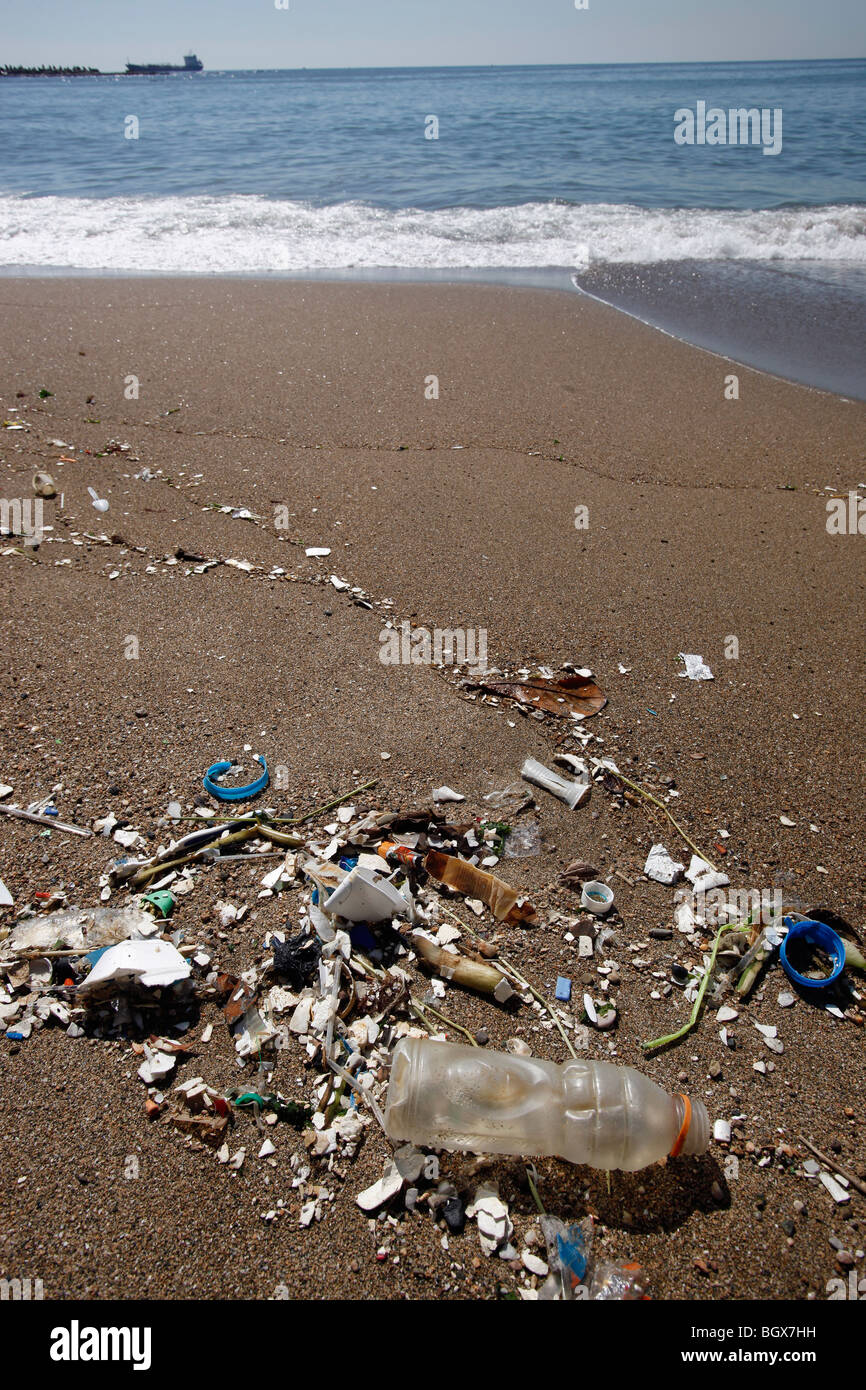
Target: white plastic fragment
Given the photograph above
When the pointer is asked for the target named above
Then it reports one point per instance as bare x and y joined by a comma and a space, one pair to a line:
495, 1227
695, 670
156, 1065
769, 1030
722, 1132
661, 867
148, 963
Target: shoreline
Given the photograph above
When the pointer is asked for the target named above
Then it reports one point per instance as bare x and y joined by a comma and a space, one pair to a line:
700, 335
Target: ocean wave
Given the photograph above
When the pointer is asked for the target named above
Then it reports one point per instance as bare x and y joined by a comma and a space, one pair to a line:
248, 234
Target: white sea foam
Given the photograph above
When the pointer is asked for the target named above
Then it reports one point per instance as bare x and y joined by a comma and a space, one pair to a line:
251, 234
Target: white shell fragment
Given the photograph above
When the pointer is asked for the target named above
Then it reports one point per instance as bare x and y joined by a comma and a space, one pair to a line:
836, 1190
445, 793
382, 1191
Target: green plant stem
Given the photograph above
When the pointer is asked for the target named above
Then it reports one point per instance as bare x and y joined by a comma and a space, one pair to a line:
687, 1027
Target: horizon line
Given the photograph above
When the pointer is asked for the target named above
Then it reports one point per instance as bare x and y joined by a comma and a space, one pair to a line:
424, 67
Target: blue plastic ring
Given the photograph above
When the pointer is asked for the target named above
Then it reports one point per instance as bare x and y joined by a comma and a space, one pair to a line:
234, 793
819, 934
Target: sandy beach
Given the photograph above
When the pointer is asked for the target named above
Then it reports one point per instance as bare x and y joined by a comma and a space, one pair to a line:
314, 403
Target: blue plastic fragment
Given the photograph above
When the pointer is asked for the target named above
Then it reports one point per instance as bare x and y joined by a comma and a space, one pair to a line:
572, 1253
563, 989
362, 937
13, 1036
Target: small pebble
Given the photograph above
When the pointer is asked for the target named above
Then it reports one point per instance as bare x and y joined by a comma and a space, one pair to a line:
715, 1070
482, 1037
454, 1213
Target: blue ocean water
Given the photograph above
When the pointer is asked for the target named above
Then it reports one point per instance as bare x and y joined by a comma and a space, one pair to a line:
568, 171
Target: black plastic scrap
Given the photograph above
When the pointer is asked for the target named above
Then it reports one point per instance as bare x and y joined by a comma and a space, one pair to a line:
297, 958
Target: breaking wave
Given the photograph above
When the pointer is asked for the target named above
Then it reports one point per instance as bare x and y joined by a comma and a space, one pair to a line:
249, 234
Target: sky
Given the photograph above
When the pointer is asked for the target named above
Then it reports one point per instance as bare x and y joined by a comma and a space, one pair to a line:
395, 33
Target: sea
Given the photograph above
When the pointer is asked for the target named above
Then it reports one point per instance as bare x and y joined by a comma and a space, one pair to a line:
749, 239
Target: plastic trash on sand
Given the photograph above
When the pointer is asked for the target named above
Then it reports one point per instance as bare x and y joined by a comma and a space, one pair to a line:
695, 670
148, 963
362, 897
506, 903
572, 793
660, 866
81, 929
626, 1283
568, 1251
523, 841
612, 1117
597, 897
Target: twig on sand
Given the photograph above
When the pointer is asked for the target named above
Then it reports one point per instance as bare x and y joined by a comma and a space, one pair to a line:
648, 796
835, 1167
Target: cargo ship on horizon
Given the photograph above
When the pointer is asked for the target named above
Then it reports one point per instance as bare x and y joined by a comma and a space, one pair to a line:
190, 64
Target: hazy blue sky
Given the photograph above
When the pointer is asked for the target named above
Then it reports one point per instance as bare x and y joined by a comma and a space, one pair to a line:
373, 33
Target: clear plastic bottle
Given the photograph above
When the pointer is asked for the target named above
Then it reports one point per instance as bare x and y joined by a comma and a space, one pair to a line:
452, 1097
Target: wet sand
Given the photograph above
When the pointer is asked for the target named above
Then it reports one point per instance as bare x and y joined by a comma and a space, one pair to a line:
706, 524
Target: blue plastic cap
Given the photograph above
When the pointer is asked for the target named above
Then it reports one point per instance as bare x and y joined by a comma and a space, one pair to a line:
815, 934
